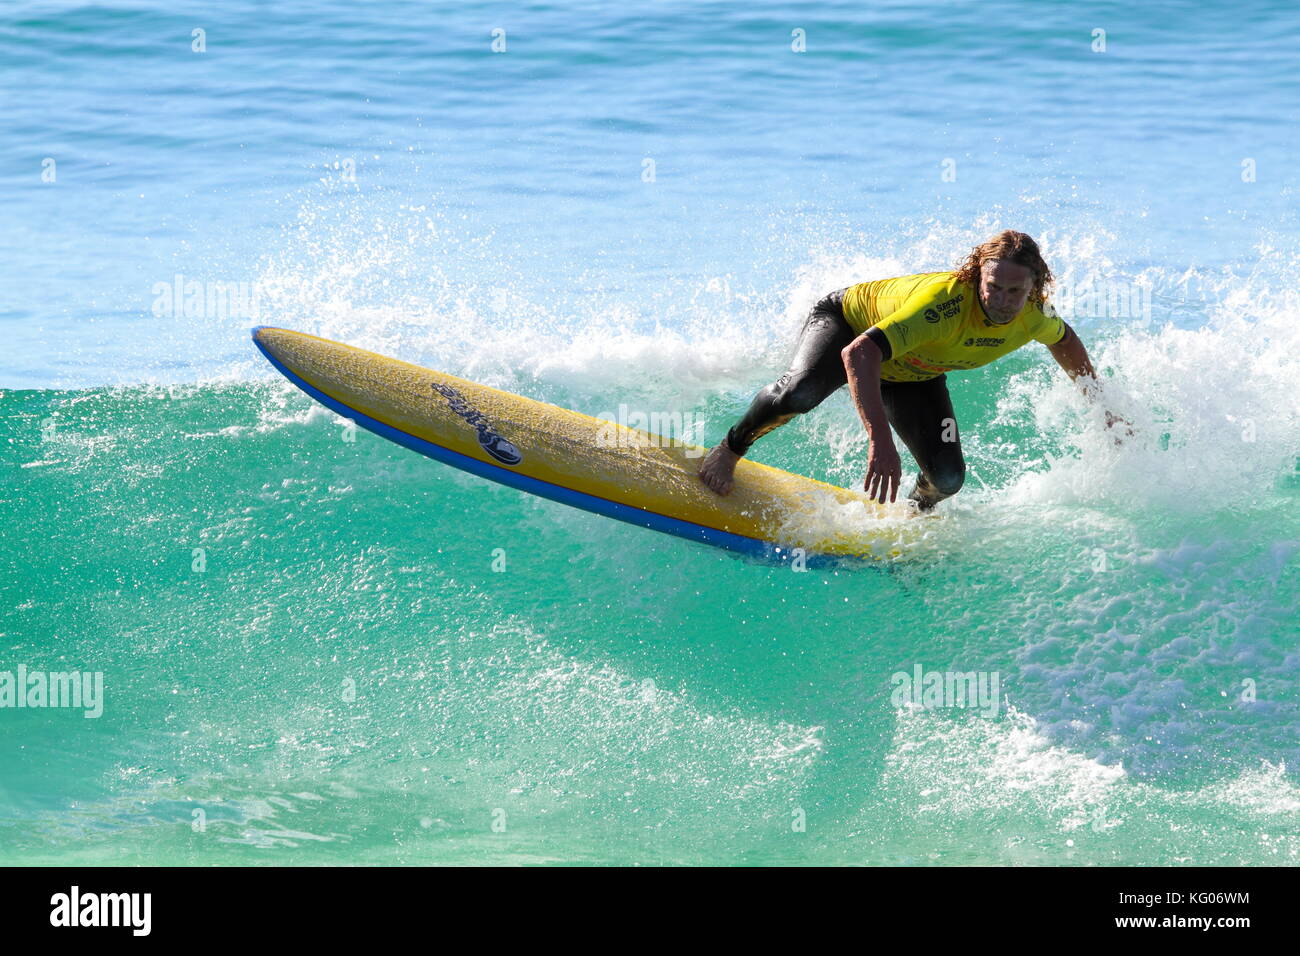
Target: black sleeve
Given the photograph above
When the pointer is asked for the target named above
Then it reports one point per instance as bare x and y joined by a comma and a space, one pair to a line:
882, 343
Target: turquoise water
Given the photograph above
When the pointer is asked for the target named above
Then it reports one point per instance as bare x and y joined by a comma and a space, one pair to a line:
317, 649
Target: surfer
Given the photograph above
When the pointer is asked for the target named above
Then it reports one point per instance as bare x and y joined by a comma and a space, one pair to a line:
893, 341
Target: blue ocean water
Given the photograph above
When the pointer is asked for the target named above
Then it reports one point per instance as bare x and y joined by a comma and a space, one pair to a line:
593, 205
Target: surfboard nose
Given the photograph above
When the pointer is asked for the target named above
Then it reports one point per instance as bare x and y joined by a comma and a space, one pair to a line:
258, 335
269, 339
271, 342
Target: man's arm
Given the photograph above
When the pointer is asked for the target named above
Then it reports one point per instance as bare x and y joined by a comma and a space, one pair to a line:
1073, 357
862, 358
919, 320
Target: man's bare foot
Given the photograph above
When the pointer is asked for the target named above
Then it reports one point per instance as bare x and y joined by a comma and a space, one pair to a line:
719, 468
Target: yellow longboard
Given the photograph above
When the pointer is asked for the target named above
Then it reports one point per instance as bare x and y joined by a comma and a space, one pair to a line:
589, 463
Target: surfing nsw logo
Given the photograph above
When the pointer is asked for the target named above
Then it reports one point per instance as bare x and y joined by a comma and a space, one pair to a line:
492, 443
943, 310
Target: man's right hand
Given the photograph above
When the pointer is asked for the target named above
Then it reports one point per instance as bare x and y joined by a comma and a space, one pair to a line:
884, 470
862, 358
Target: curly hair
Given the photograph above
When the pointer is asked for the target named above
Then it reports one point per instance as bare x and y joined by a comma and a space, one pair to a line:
1014, 247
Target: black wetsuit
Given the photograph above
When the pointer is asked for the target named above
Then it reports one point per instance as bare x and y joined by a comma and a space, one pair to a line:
920, 412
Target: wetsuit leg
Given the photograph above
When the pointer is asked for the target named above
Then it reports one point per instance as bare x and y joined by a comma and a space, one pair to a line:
921, 413
815, 371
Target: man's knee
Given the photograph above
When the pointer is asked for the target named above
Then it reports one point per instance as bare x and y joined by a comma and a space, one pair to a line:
797, 393
948, 481
933, 488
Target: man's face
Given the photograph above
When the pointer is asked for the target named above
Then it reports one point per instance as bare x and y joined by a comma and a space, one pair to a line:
1004, 287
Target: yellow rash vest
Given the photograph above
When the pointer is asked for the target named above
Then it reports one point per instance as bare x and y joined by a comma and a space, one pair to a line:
935, 324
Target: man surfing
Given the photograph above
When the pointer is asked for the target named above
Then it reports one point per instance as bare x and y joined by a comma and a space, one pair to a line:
893, 341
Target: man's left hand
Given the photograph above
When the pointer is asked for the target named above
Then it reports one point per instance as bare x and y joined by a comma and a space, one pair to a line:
1112, 420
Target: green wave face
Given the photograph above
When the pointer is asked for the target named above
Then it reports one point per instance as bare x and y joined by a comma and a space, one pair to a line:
318, 647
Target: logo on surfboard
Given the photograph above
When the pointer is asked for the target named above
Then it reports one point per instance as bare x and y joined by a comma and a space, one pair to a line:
492, 443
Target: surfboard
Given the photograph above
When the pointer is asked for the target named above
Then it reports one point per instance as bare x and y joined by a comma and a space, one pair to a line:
600, 466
